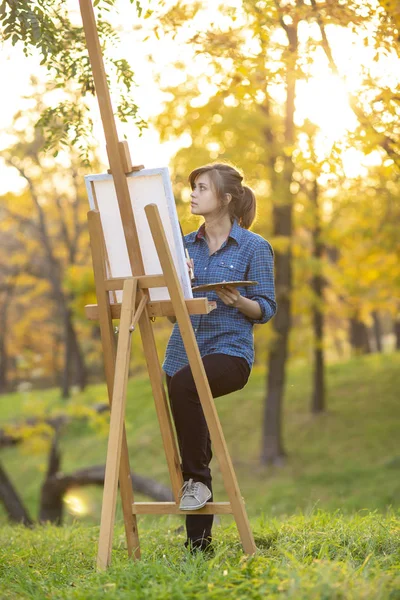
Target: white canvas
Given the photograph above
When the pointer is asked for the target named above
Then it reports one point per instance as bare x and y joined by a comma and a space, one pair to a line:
149, 186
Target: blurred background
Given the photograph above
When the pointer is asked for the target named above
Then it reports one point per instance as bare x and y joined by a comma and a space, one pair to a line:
304, 98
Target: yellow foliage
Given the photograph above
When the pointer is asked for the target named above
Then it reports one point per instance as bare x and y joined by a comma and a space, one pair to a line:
392, 8
280, 244
36, 445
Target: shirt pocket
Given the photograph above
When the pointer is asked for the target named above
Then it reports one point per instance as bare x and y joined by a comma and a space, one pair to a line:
232, 270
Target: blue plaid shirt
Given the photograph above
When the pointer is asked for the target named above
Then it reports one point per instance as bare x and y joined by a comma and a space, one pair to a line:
243, 256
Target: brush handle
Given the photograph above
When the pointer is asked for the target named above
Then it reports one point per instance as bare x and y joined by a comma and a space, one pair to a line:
191, 272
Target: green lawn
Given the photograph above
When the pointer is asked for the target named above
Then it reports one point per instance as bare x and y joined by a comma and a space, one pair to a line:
322, 556
327, 522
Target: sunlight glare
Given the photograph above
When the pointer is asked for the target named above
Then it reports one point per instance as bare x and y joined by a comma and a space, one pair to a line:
355, 163
76, 505
323, 100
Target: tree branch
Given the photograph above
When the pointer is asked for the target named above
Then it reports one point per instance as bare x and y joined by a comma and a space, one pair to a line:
384, 140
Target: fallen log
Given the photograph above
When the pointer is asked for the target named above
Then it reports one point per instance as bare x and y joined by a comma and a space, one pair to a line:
57, 484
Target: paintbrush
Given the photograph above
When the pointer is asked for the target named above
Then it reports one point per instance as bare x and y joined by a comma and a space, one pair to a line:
191, 272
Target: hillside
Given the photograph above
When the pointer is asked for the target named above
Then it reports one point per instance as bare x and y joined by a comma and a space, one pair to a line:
347, 459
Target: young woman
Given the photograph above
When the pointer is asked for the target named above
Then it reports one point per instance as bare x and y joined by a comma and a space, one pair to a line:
223, 249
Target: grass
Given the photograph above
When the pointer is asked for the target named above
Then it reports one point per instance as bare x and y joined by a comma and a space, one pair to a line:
322, 556
326, 523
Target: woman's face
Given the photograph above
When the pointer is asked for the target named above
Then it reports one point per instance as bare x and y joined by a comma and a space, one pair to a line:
203, 198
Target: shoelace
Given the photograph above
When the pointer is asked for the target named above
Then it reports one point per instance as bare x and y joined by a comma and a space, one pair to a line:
190, 487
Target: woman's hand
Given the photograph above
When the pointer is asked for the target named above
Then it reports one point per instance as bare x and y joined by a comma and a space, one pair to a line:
190, 263
190, 266
232, 297
229, 296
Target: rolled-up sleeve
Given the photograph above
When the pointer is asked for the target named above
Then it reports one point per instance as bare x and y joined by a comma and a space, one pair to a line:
262, 270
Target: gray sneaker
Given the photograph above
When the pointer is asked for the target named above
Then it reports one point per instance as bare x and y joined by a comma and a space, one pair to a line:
194, 495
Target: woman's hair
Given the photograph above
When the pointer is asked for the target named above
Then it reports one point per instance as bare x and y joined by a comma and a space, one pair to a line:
227, 180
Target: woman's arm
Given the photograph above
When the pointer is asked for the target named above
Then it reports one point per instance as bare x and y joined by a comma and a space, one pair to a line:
231, 297
261, 306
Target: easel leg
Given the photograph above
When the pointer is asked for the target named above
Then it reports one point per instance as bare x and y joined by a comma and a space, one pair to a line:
200, 379
116, 425
109, 356
161, 403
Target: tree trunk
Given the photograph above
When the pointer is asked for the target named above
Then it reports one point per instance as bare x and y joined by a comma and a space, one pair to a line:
73, 356
318, 404
55, 362
67, 370
359, 336
51, 502
397, 333
317, 286
80, 377
377, 331
272, 446
3, 338
272, 450
11, 501
3, 362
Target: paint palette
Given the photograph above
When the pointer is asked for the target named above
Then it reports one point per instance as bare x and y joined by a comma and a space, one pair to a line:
210, 287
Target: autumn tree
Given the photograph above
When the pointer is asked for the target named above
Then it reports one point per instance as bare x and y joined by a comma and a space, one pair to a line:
377, 109
52, 30
49, 223
310, 255
9, 271
364, 225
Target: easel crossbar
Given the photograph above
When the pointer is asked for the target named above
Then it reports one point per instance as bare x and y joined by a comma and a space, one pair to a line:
159, 308
114, 284
171, 508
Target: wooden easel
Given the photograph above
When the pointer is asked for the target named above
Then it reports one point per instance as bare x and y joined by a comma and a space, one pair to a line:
137, 309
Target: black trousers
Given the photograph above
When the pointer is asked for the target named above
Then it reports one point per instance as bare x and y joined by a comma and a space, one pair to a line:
225, 374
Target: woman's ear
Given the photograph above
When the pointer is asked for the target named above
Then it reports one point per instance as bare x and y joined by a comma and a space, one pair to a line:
228, 198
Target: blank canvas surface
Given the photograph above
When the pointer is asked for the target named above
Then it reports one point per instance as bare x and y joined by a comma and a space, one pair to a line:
149, 186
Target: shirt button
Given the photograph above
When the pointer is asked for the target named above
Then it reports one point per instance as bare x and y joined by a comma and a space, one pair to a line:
231, 267
205, 268
195, 330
